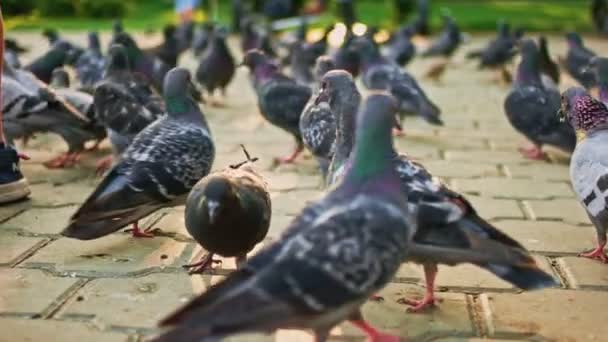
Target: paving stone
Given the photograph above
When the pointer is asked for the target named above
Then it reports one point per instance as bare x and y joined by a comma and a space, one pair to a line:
513, 188
42, 220
549, 237
584, 272
543, 171
417, 150
47, 330
558, 315
292, 202
492, 209
483, 156
451, 169
13, 246
8, 211
291, 181
37, 173
135, 302
278, 223
450, 318
115, 254
442, 142
568, 210
30, 292
47, 195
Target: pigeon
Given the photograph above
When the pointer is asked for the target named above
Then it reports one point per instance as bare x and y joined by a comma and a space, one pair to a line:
318, 122
228, 213
216, 68
331, 258
588, 173
184, 34
500, 50
56, 57
599, 65
381, 74
51, 35
421, 24
577, 60
157, 170
149, 66
447, 42
548, 67
167, 51
441, 215
401, 49
30, 107
125, 103
301, 62
280, 99
201, 38
531, 108
599, 15
346, 56
90, 65
254, 38
12, 51
323, 65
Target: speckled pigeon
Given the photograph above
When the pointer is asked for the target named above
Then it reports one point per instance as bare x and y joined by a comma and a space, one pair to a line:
381, 74
156, 171
216, 68
577, 60
125, 103
280, 99
228, 213
531, 108
447, 42
91, 64
331, 258
589, 162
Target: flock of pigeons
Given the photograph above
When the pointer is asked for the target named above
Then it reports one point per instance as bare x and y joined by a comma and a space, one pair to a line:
381, 208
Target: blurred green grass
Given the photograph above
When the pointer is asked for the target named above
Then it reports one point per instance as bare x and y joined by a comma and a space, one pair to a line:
472, 15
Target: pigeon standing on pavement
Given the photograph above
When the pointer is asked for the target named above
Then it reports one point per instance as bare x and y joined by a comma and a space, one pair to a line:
167, 51
447, 42
228, 213
201, 38
346, 56
157, 170
531, 108
216, 68
589, 162
91, 63
577, 60
331, 258
401, 49
125, 103
499, 51
548, 67
56, 57
280, 99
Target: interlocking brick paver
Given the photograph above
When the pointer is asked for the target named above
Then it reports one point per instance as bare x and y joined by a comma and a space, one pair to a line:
491, 208
115, 254
13, 246
30, 292
584, 273
451, 169
51, 330
513, 188
483, 156
554, 315
542, 171
559, 209
48, 195
42, 220
6, 212
291, 202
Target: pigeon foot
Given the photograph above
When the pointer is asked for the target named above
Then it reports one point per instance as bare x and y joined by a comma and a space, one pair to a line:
206, 262
65, 160
418, 305
376, 298
533, 152
136, 232
290, 158
596, 254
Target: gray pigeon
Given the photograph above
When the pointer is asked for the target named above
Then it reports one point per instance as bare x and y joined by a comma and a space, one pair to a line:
448, 41
125, 103
216, 68
318, 122
401, 49
228, 213
577, 60
531, 108
599, 65
57, 56
201, 38
157, 170
91, 64
331, 258
280, 99
588, 171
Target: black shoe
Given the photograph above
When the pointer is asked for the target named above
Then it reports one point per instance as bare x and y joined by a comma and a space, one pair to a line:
13, 186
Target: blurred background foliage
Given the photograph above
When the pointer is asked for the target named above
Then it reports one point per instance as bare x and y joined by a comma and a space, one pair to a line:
472, 15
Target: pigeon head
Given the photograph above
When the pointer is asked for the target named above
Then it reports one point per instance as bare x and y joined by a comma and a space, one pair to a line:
117, 58
217, 195
503, 28
177, 90
131, 47
51, 34
338, 88
93, 39
117, 27
60, 78
365, 49
574, 39
583, 111
323, 65
528, 71
254, 58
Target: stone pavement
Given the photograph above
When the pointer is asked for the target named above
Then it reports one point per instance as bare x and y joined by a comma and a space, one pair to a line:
117, 288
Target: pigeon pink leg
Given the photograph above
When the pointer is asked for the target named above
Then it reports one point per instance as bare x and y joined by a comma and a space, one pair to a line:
104, 164
430, 273
373, 334
532, 152
205, 263
597, 254
290, 159
136, 232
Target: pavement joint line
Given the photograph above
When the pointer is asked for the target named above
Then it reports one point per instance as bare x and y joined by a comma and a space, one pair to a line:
31, 251
63, 299
503, 171
15, 214
55, 206
526, 209
563, 273
476, 315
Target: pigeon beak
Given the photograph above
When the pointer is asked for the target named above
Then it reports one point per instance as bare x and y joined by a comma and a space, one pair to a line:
322, 96
561, 113
212, 210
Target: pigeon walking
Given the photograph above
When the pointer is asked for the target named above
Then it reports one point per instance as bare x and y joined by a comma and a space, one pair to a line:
401, 49
157, 170
577, 60
167, 51
216, 68
548, 67
57, 56
280, 99
448, 41
228, 213
201, 38
332, 257
12, 51
531, 108
90, 65
125, 103
589, 162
